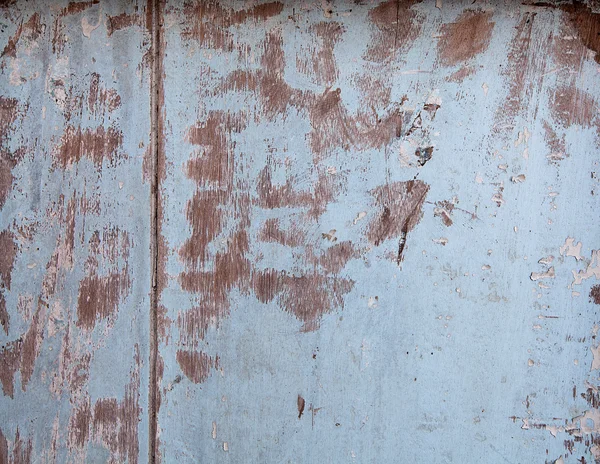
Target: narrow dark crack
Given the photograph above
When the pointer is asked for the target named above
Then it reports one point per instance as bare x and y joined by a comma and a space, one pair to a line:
155, 76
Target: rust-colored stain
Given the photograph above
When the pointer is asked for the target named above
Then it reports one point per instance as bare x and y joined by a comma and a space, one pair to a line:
59, 38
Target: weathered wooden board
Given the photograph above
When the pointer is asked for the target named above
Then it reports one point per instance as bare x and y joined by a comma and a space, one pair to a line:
378, 232
377, 235
74, 232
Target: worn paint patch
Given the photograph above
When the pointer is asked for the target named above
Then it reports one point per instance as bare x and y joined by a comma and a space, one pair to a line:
121, 21
100, 295
9, 112
587, 25
109, 422
465, 38
396, 27
26, 32
595, 294
210, 21
21, 452
98, 145
196, 365
398, 211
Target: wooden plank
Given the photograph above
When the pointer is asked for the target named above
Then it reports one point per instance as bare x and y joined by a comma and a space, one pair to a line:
74, 232
358, 205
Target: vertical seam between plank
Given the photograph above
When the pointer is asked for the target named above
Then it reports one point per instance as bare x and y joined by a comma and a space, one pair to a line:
154, 249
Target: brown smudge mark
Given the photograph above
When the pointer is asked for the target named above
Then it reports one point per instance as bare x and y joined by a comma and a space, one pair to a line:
116, 423
3, 448
333, 127
206, 211
209, 21
461, 74
274, 93
587, 25
443, 209
95, 144
100, 98
23, 352
121, 21
374, 91
301, 404
10, 361
8, 160
32, 342
307, 296
4, 316
595, 294
526, 62
231, 268
74, 368
570, 105
398, 210
7, 257
271, 196
100, 295
32, 29
214, 134
59, 38
397, 26
8, 254
79, 424
321, 63
147, 162
196, 365
465, 38
557, 145
272, 232
69, 234
21, 452
335, 258
77, 7
110, 422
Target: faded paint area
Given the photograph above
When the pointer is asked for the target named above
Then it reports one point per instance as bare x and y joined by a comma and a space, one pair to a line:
74, 232
277, 231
